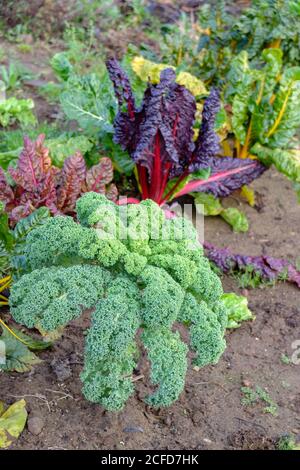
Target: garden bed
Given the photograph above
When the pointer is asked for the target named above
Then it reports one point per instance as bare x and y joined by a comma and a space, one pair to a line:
215, 410
209, 414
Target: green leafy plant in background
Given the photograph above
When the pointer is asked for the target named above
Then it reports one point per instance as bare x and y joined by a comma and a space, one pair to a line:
252, 396
198, 43
178, 44
264, 101
209, 205
106, 9
287, 442
135, 275
265, 114
14, 110
269, 23
89, 100
64, 145
206, 43
61, 144
13, 75
79, 52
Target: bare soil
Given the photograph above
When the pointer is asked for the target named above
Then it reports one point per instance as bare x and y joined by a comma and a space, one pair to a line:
209, 413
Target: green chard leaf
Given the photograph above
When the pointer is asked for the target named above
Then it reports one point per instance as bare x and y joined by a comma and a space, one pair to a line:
241, 84
6, 236
286, 161
12, 422
261, 112
286, 110
236, 219
208, 204
18, 357
237, 308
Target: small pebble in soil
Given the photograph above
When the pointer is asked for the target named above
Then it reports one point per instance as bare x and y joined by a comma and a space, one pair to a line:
197, 417
246, 383
245, 292
133, 429
168, 420
35, 425
207, 441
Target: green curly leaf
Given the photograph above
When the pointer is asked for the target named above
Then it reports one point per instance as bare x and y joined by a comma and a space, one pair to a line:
134, 270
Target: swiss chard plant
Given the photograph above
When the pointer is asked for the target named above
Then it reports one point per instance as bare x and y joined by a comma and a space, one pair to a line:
207, 43
265, 111
159, 137
61, 144
269, 23
260, 115
36, 182
141, 274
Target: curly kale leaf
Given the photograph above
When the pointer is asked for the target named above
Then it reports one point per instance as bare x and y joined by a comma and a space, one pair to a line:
51, 297
140, 274
167, 354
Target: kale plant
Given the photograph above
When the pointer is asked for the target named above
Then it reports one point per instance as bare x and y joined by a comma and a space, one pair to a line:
139, 272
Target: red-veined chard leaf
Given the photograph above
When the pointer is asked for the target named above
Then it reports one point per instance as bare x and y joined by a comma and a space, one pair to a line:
227, 175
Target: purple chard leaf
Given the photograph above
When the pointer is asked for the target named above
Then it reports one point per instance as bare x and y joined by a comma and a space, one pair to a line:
227, 175
267, 267
207, 143
159, 138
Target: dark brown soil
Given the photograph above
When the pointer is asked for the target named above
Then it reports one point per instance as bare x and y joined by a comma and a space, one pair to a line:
209, 413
